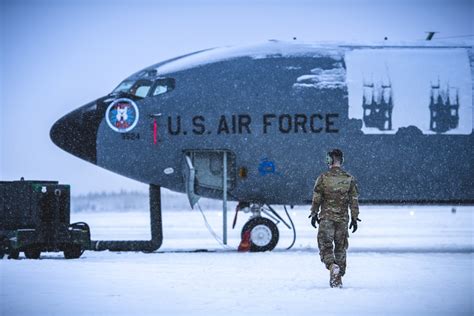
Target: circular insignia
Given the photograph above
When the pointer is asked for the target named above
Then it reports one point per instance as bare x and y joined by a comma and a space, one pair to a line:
122, 115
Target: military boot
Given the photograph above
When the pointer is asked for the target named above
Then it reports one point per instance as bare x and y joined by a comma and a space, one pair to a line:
335, 279
339, 280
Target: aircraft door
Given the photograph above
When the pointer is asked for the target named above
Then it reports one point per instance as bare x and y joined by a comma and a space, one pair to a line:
204, 170
190, 178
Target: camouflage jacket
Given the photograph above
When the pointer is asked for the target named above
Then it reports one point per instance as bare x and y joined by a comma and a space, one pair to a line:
335, 191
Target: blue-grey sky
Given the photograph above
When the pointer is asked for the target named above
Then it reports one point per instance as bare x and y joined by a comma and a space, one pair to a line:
58, 55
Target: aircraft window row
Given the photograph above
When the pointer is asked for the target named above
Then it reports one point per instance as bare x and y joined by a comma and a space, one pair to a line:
143, 88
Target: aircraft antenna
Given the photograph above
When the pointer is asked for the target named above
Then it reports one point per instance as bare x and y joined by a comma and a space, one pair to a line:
457, 36
429, 38
430, 35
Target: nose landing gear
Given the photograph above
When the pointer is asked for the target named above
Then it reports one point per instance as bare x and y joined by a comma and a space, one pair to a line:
263, 231
264, 234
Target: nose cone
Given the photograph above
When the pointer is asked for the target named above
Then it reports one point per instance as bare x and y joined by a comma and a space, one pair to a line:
76, 132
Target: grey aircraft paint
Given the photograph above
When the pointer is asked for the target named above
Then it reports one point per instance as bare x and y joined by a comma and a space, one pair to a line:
276, 109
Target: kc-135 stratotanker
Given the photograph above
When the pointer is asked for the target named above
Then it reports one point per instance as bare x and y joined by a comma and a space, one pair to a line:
253, 124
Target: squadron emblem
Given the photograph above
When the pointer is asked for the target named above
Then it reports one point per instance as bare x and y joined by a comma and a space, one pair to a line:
122, 115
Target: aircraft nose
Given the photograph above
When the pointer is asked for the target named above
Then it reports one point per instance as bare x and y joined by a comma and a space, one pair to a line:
76, 132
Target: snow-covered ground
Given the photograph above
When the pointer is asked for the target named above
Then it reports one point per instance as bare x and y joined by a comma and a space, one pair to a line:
402, 261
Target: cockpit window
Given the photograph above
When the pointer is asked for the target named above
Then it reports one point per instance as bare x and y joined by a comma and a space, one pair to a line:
142, 88
159, 89
163, 86
124, 86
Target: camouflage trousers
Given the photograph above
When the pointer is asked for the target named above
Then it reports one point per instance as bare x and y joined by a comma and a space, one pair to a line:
333, 243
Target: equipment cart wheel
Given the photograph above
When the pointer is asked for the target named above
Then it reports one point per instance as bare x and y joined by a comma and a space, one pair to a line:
3, 247
264, 234
33, 252
73, 251
14, 254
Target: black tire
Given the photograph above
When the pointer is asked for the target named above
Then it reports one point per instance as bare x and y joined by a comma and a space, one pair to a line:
33, 252
266, 229
73, 251
14, 254
3, 247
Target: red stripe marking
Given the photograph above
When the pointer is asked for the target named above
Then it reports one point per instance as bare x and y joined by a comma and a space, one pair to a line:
155, 132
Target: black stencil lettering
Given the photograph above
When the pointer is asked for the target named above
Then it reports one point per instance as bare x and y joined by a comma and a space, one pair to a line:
313, 123
300, 121
176, 131
223, 127
285, 129
266, 121
330, 123
198, 123
234, 124
244, 122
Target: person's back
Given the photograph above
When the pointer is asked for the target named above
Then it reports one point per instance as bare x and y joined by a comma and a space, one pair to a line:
334, 191
338, 190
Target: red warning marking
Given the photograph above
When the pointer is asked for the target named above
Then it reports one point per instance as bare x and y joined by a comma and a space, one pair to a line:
155, 132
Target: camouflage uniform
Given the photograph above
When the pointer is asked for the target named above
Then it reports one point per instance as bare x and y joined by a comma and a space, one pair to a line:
334, 191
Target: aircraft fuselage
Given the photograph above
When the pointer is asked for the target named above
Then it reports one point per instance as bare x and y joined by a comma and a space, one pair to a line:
276, 114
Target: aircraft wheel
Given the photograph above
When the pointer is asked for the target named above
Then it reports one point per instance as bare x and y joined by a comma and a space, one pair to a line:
73, 251
33, 252
264, 234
